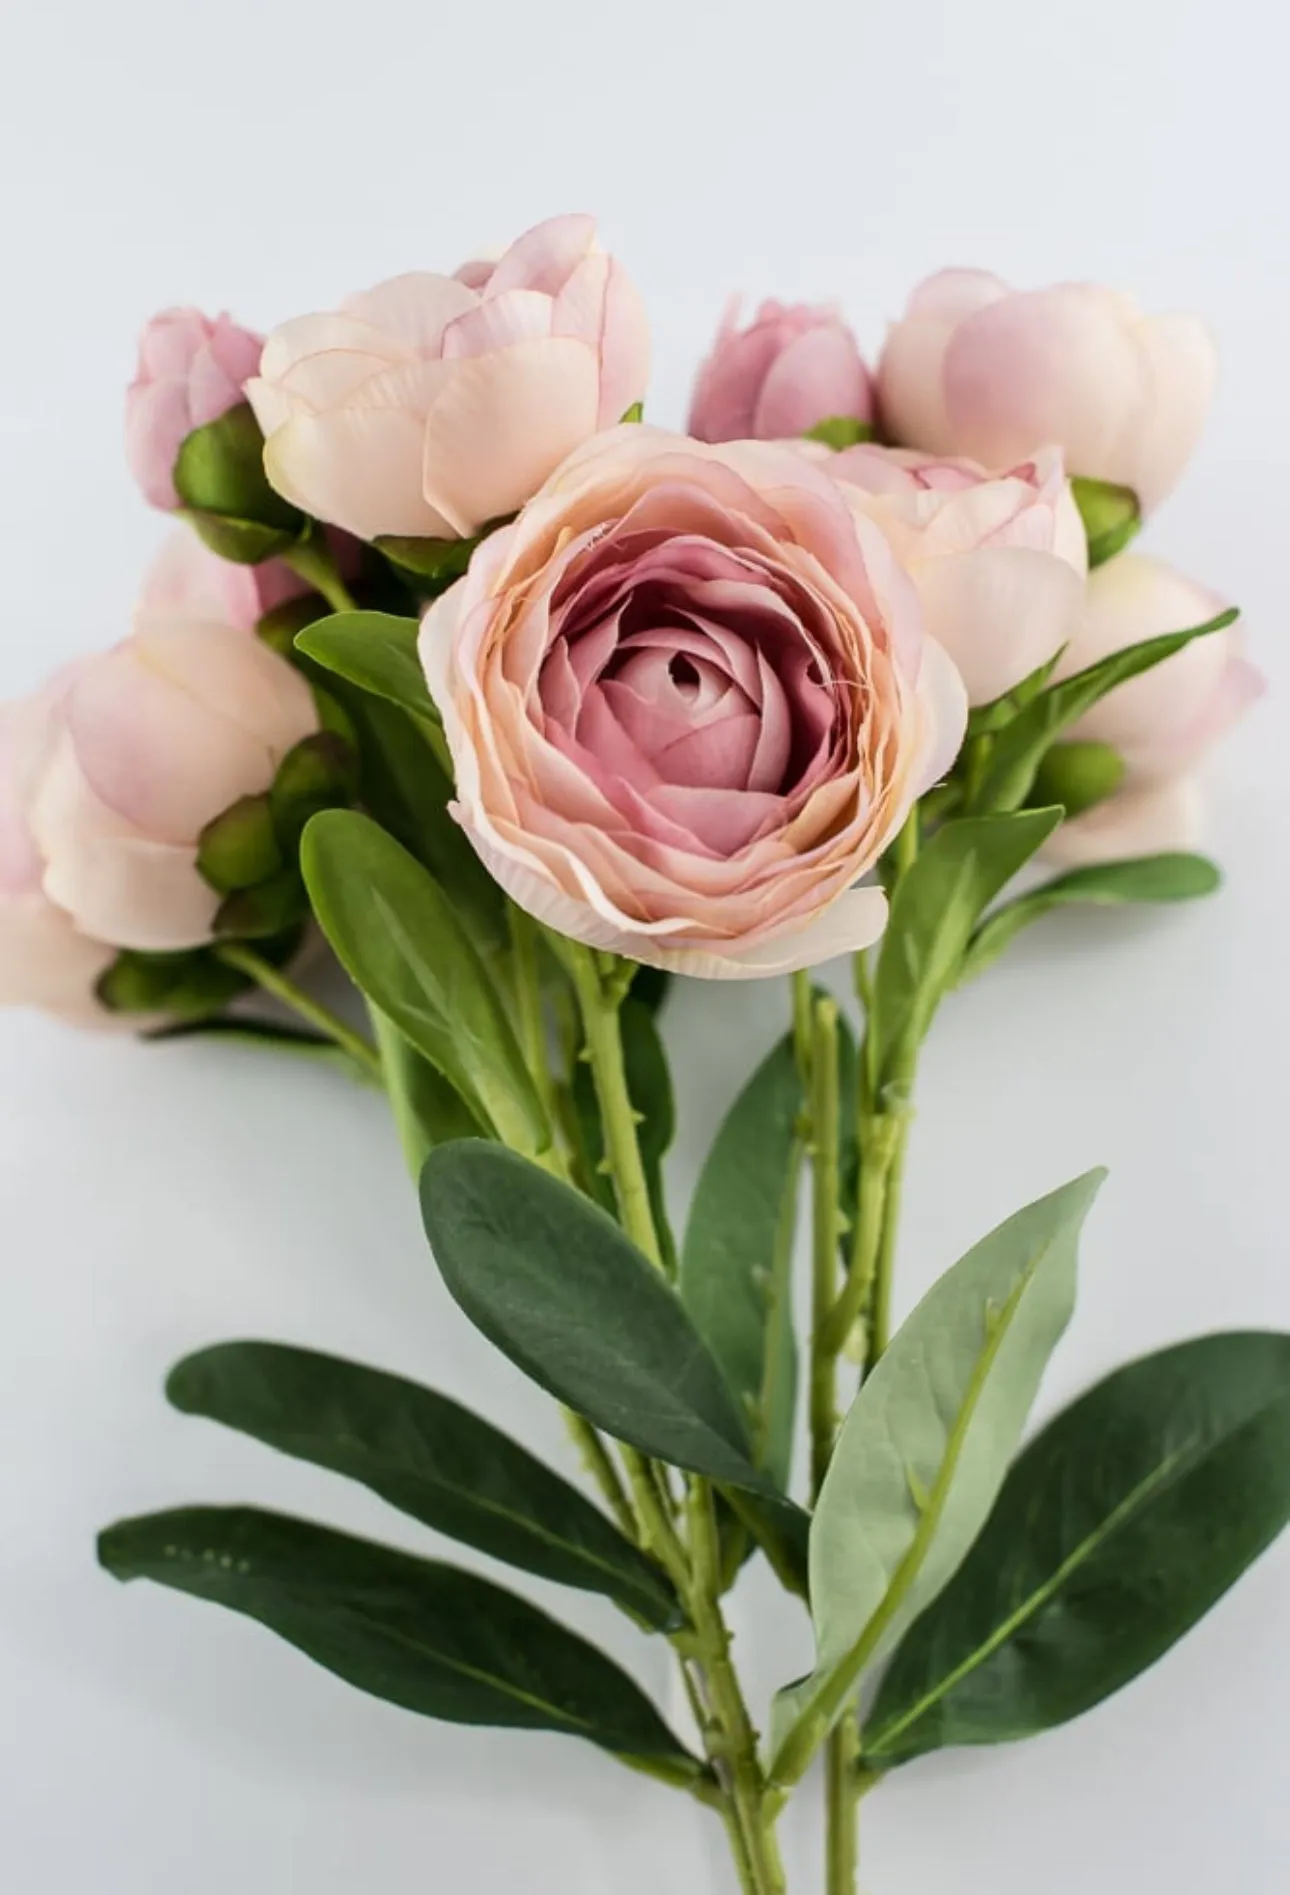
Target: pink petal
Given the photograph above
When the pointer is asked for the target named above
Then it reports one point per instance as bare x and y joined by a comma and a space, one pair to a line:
545, 257
817, 375
515, 316
415, 309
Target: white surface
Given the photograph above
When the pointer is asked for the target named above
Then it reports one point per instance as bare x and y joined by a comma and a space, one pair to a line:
270, 156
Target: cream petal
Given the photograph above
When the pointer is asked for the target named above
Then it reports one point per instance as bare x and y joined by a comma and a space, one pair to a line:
1000, 612
359, 469
498, 323
501, 423
273, 406
295, 341
1145, 819
413, 309
133, 893
45, 963
1182, 366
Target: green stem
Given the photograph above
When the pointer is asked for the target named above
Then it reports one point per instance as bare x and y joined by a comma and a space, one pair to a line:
532, 1018
273, 981
312, 558
595, 1458
842, 1805
600, 1025
825, 1217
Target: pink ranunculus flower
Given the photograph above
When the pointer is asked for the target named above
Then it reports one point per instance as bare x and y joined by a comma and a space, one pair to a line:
690, 700
431, 404
44, 961
976, 368
192, 369
793, 366
1160, 723
187, 579
142, 746
999, 560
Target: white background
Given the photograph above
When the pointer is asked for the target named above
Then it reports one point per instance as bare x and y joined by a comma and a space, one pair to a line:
268, 157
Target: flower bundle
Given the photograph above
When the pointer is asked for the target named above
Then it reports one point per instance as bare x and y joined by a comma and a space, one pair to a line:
525, 707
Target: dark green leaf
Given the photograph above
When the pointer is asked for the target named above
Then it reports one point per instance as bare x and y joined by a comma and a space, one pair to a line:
736, 1259
924, 1451
438, 1641
1077, 776
403, 943
651, 985
1111, 516
557, 1286
438, 560
840, 431
1146, 878
936, 907
1118, 1528
220, 470
427, 1456
1019, 748
377, 652
240, 847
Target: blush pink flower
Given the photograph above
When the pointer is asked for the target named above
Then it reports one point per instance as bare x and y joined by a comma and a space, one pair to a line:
999, 560
135, 750
689, 700
974, 367
192, 369
1162, 723
793, 366
432, 404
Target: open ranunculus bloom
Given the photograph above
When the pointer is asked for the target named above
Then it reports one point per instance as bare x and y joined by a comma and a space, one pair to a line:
690, 700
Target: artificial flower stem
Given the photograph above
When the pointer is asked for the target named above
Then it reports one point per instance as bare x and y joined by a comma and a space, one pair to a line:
825, 1217
604, 1051
313, 560
273, 981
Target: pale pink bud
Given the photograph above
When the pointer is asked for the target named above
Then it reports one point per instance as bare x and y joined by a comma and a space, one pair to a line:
192, 369
793, 366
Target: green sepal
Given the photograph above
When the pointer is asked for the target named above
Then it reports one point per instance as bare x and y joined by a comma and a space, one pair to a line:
240, 847
437, 561
254, 914
241, 542
219, 472
1111, 516
635, 413
185, 986
320, 772
1078, 776
278, 628
841, 431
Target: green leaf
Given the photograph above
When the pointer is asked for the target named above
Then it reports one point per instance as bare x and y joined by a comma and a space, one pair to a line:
635, 413
428, 1637
404, 945
1117, 1529
220, 470
320, 772
736, 1259
427, 1108
649, 1086
651, 986
376, 651
937, 905
1019, 748
554, 1283
840, 431
406, 787
440, 561
1111, 516
1145, 878
924, 1450
186, 985
242, 542
425, 1455
240, 847
985, 719
1078, 776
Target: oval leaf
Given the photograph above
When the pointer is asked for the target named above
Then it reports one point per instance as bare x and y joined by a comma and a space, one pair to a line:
556, 1285
1117, 1529
1146, 878
924, 1451
427, 1456
401, 941
429, 1637
737, 1253
937, 904
377, 651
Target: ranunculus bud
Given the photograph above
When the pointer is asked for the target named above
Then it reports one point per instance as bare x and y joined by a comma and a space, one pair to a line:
192, 369
791, 368
999, 559
1160, 723
690, 701
428, 406
142, 748
976, 368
